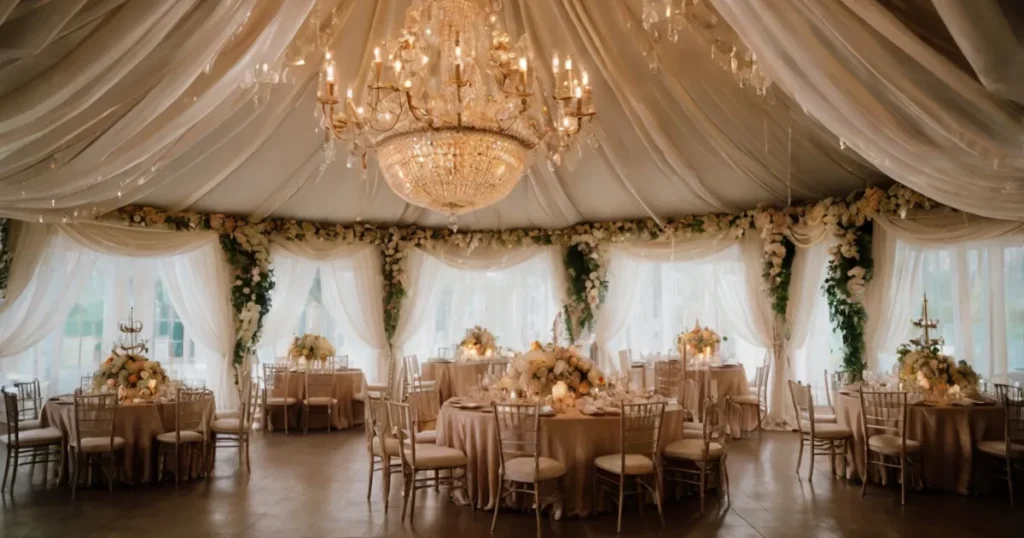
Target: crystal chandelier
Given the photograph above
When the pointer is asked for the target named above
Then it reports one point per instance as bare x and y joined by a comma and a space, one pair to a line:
698, 16
452, 108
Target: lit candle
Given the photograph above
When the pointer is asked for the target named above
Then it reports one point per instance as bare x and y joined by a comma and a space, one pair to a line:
458, 63
522, 72
377, 64
398, 67
554, 64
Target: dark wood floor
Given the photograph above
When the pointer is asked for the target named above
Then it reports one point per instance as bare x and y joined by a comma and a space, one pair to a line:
315, 486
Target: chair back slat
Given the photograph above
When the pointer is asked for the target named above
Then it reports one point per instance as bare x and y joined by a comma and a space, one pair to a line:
85, 384
402, 424
640, 428
668, 379
803, 403
714, 428
319, 383
30, 399
376, 422
275, 379
190, 410
10, 415
518, 430
884, 413
94, 416
1013, 404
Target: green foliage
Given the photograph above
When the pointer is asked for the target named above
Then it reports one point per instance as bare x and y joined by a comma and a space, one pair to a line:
6, 254
847, 312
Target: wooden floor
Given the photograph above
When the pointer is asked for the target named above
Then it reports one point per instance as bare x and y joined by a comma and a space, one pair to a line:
315, 486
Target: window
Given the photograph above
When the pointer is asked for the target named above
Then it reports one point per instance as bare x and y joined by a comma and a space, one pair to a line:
78, 348
169, 342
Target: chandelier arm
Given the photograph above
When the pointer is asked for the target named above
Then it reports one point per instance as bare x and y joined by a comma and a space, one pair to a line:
332, 122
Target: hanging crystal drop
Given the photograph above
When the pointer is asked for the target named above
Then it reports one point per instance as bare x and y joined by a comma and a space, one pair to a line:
453, 223
350, 161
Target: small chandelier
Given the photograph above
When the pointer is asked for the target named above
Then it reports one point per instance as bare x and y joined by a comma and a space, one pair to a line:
452, 108
700, 17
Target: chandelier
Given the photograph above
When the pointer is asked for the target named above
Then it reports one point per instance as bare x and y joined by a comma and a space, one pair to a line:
452, 108
699, 17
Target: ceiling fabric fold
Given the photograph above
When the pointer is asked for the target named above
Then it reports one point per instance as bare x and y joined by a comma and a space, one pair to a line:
105, 103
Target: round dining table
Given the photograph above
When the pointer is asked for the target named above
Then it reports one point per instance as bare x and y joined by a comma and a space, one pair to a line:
346, 385
137, 423
948, 435
572, 439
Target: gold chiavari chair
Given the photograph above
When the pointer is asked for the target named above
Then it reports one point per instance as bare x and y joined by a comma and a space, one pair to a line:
639, 437
30, 404
668, 379
275, 392
696, 461
833, 384
413, 377
93, 436
417, 458
237, 432
759, 394
424, 398
522, 469
38, 445
85, 384
885, 434
340, 363
194, 384
381, 442
190, 431
1010, 450
822, 438
319, 386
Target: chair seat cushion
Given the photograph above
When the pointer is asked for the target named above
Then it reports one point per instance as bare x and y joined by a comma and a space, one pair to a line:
437, 457
693, 426
693, 449
99, 445
523, 469
428, 437
998, 448
749, 399
282, 401
390, 444
825, 419
226, 425
321, 401
825, 430
31, 424
36, 437
361, 397
890, 444
692, 434
186, 437
227, 414
636, 464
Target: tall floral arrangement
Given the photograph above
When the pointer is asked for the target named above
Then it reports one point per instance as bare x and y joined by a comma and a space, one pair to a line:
479, 342
699, 339
538, 370
311, 347
937, 376
130, 371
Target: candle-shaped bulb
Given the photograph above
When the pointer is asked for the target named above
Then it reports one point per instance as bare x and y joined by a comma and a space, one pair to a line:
522, 64
568, 63
348, 93
578, 92
566, 122
398, 66
555, 64
376, 54
584, 78
329, 72
458, 53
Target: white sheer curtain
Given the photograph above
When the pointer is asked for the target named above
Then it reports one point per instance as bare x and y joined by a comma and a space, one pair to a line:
515, 293
191, 268
812, 345
350, 292
680, 283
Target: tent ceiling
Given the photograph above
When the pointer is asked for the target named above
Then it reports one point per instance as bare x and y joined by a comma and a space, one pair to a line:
105, 103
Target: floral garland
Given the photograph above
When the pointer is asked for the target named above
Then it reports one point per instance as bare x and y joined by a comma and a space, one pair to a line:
247, 248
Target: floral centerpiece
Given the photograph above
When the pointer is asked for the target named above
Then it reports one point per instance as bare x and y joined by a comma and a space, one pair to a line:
699, 340
127, 370
310, 348
925, 371
539, 370
478, 342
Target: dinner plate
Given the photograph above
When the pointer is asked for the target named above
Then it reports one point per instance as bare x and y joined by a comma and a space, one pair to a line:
469, 405
612, 410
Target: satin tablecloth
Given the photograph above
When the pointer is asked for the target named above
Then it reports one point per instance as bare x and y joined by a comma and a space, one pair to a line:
731, 380
138, 424
453, 378
575, 441
347, 413
947, 435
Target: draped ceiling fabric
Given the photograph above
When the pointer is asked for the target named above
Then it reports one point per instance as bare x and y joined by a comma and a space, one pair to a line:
105, 103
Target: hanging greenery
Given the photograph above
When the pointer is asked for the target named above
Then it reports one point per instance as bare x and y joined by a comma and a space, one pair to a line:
5, 255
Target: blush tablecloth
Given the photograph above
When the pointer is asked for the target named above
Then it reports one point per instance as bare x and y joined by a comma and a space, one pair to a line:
574, 440
453, 378
347, 413
947, 434
138, 424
